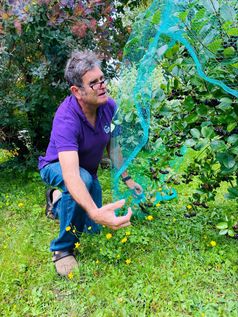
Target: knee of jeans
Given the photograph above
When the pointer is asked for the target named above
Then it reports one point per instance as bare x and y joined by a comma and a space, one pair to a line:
86, 177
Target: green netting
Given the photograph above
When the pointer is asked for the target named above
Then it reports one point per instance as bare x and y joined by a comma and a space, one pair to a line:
205, 31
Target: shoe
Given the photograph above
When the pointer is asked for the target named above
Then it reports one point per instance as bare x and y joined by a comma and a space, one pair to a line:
64, 262
49, 205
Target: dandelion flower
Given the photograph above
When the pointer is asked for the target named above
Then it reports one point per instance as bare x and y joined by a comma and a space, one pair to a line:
189, 207
158, 205
124, 240
20, 205
108, 236
150, 218
77, 245
70, 275
128, 261
128, 233
213, 243
68, 228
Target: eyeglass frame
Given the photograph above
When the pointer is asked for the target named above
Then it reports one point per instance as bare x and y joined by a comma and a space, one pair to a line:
100, 83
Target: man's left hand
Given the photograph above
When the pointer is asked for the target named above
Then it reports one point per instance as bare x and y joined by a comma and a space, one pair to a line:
138, 190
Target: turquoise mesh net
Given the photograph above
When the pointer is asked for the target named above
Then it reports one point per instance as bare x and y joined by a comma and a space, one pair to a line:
205, 31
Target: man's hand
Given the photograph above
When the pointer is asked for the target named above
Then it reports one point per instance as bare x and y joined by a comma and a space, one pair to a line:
106, 216
134, 186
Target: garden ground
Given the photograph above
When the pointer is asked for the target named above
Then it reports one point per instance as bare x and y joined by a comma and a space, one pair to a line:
167, 266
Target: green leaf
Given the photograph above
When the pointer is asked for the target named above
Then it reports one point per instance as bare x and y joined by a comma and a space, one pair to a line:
215, 45
183, 15
211, 6
232, 138
225, 104
231, 232
129, 117
226, 26
226, 160
223, 232
190, 142
156, 17
202, 110
199, 146
232, 31
234, 150
231, 126
195, 133
200, 14
229, 51
232, 193
218, 146
235, 65
227, 12
191, 118
222, 225
188, 103
207, 132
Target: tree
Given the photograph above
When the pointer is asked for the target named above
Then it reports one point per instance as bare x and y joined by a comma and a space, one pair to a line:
37, 38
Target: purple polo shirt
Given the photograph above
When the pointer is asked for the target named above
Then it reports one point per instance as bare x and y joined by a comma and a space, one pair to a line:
71, 131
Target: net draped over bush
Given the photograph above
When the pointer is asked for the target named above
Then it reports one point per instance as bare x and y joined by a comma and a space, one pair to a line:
178, 89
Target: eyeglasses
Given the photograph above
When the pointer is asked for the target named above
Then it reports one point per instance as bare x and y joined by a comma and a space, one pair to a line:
98, 85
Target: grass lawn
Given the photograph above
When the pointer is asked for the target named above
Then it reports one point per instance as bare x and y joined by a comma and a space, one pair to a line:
165, 267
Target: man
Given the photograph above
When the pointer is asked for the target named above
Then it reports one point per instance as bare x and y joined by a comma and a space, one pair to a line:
80, 133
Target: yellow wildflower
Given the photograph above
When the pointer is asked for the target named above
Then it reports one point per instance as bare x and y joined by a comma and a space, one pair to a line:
158, 205
124, 240
97, 261
128, 233
70, 275
89, 228
160, 189
68, 228
20, 205
128, 261
77, 245
213, 243
74, 231
189, 207
150, 218
108, 236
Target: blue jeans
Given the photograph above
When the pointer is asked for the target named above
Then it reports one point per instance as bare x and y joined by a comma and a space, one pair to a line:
67, 210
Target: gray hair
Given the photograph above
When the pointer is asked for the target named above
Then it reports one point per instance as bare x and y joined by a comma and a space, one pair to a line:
78, 64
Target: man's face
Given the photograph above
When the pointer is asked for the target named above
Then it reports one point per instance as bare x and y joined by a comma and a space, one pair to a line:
93, 91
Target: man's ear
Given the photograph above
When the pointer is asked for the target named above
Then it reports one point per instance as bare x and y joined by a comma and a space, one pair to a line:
76, 91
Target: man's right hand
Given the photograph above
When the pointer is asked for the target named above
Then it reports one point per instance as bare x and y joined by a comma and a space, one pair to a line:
106, 215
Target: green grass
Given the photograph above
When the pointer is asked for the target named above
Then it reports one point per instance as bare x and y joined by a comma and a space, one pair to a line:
174, 271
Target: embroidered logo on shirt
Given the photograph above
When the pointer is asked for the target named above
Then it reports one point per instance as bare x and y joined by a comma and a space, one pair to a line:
106, 129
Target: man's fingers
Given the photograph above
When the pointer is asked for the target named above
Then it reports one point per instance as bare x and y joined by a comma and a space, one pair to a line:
121, 226
117, 204
124, 219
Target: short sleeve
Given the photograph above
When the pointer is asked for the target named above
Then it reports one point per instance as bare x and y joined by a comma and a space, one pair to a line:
65, 133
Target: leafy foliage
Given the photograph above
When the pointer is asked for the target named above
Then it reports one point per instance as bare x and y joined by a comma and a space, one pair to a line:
37, 38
